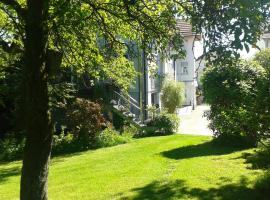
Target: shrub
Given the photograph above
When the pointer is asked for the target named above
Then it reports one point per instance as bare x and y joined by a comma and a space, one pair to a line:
172, 95
263, 58
64, 143
162, 124
118, 120
110, 137
11, 148
234, 93
130, 131
85, 120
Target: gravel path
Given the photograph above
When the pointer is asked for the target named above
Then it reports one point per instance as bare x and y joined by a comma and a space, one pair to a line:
192, 121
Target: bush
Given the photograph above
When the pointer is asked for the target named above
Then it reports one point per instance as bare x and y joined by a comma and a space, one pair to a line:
85, 120
11, 148
172, 95
234, 93
130, 130
64, 143
263, 58
118, 120
110, 137
162, 124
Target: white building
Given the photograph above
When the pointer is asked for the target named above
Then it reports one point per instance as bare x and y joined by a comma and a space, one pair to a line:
264, 41
147, 89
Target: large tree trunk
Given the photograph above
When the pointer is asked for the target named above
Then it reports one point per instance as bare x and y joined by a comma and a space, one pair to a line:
38, 122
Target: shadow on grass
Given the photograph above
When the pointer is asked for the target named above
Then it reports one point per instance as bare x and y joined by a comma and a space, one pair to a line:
199, 150
5, 174
179, 190
258, 160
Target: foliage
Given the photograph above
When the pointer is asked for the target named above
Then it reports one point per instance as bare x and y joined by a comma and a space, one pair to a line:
118, 120
103, 40
11, 148
96, 44
68, 143
64, 143
92, 36
110, 137
85, 120
152, 111
10, 92
172, 95
263, 59
234, 93
61, 94
162, 124
229, 31
130, 130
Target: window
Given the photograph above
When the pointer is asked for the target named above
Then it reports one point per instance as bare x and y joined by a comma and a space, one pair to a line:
184, 68
267, 42
153, 85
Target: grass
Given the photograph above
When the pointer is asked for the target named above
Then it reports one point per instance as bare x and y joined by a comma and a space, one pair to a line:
168, 167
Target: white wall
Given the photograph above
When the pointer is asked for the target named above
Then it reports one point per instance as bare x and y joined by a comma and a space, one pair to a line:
189, 78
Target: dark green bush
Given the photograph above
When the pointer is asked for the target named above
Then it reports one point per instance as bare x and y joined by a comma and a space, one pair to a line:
263, 58
162, 124
118, 120
234, 93
64, 143
11, 148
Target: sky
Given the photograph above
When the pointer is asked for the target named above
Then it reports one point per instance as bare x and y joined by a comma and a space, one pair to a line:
248, 55
198, 50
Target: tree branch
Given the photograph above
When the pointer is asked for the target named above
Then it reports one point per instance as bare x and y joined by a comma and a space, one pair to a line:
10, 47
15, 6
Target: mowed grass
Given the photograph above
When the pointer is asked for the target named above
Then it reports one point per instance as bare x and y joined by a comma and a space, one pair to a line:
169, 167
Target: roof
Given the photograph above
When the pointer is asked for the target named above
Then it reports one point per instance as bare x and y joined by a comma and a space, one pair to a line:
186, 29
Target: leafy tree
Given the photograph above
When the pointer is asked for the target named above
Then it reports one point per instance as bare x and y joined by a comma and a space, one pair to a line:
263, 58
92, 37
234, 92
172, 95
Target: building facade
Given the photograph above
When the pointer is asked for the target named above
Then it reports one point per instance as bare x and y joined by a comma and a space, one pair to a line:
147, 87
264, 41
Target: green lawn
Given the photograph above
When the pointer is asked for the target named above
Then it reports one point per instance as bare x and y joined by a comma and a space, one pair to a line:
170, 167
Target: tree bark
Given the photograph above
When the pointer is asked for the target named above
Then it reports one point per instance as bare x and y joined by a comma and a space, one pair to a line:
38, 123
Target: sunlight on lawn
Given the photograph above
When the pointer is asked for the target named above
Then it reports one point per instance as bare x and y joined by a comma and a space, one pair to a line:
170, 167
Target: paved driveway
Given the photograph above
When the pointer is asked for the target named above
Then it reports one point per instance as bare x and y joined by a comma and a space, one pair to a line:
192, 121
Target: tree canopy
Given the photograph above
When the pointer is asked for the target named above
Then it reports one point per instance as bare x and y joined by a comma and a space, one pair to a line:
95, 37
